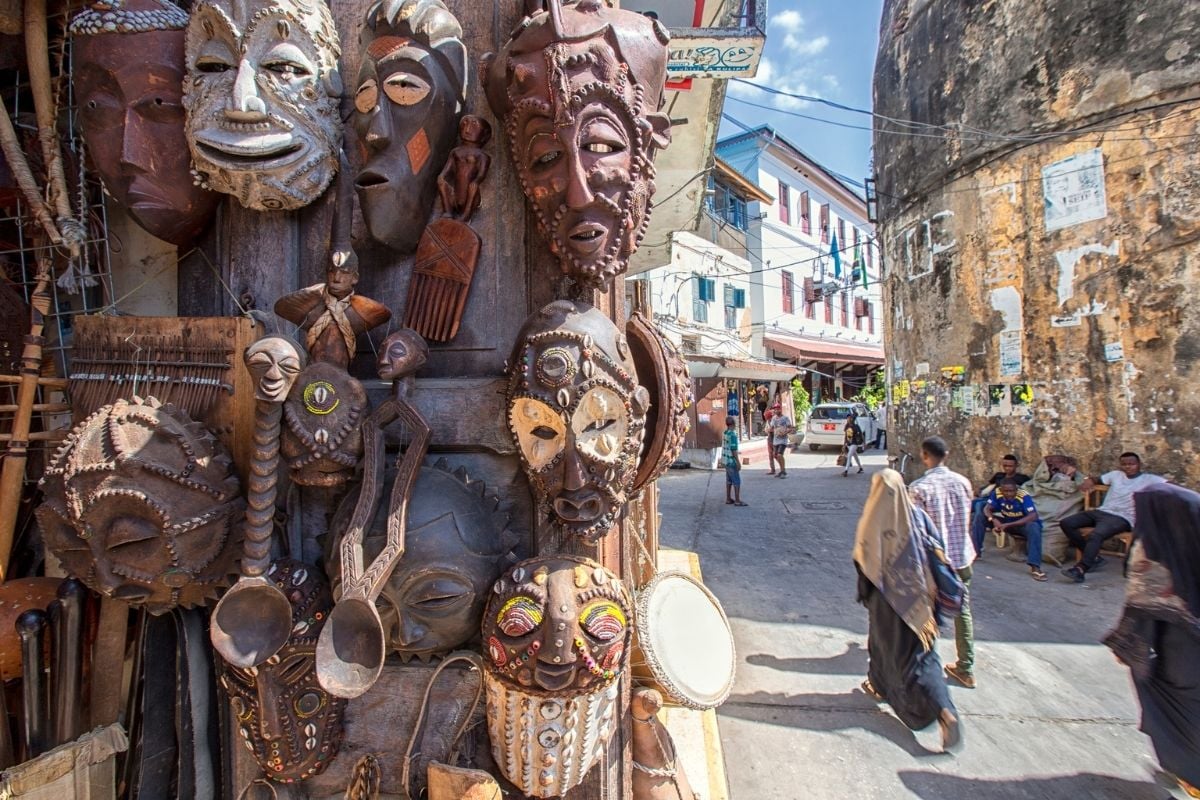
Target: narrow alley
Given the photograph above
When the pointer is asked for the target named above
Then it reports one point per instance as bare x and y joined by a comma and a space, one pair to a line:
1054, 714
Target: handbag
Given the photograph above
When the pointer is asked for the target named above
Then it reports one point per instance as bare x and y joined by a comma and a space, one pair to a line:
841, 459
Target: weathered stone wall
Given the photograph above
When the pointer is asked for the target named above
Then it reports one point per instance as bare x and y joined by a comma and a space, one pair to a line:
1074, 322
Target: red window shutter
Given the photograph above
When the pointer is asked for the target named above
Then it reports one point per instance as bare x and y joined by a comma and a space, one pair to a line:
789, 292
842, 233
870, 320
784, 202
810, 291
805, 213
860, 307
824, 222
829, 310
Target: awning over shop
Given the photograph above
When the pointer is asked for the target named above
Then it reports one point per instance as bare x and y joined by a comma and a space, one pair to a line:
744, 369
824, 349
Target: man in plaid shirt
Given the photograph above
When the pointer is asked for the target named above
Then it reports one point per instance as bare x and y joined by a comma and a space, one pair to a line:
946, 497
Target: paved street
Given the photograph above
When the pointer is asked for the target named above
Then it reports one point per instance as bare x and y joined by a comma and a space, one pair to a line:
1054, 715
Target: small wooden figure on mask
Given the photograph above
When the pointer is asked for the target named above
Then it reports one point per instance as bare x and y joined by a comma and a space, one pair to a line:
127, 74
466, 169
331, 314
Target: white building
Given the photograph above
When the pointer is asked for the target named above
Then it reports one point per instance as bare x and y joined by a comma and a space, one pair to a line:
805, 308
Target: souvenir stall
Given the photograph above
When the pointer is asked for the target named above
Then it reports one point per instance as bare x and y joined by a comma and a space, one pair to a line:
329, 448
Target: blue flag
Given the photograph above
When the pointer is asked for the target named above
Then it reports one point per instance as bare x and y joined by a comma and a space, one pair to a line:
837, 258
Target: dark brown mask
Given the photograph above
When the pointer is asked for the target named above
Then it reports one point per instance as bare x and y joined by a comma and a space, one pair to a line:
129, 86
322, 438
407, 103
291, 725
579, 88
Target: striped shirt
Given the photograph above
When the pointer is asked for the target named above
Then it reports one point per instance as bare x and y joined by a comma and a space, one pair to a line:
946, 497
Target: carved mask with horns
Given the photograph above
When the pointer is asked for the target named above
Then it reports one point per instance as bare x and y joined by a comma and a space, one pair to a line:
577, 414
261, 97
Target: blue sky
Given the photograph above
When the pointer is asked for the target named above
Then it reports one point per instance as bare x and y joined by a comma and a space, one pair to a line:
823, 49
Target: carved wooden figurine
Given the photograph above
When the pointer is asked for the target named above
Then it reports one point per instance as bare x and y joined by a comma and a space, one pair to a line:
579, 88
556, 637
577, 414
466, 169
142, 504
411, 90
331, 314
127, 73
253, 619
261, 98
352, 648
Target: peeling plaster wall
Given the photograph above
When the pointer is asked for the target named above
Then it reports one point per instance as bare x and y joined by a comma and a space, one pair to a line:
1078, 333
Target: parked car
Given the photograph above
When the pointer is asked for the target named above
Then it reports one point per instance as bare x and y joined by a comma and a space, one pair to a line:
827, 423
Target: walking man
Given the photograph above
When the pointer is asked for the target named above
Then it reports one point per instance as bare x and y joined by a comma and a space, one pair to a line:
881, 423
781, 427
946, 498
854, 441
1115, 514
733, 464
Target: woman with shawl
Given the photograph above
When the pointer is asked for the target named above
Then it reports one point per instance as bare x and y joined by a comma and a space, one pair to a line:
1158, 636
897, 586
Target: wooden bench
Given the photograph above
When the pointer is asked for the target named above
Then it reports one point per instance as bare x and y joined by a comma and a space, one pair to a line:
1091, 501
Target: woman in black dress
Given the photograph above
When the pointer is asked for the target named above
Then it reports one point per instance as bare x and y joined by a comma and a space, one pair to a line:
896, 585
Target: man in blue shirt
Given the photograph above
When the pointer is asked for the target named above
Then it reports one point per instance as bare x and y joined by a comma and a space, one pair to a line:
732, 463
1011, 510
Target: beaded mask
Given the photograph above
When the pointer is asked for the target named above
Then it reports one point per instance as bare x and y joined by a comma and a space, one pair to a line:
556, 634
261, 97
410, 93
127, 74
291, 725
577, 414
142, 504
579, 89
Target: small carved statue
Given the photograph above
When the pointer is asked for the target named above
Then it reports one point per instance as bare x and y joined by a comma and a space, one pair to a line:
411, 90
556, 638
261, 97
291, 725
466, 169
577, 414
332, 315
142, 504
127, 74
579, 88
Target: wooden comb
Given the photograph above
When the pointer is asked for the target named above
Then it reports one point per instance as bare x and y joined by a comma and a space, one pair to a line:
442, 272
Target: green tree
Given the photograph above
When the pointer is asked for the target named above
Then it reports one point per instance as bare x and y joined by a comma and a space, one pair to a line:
801, 402
874, 393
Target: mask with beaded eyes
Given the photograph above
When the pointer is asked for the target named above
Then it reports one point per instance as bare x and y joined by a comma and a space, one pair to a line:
291, 725
556, 638
577, 414
261, 100
579, 88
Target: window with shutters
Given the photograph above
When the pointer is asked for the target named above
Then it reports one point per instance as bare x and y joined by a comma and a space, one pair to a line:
728, 206
784, 199
824, 222
789, 292
845, 309
730, 307
829, 309
810, 299
704, 292
805, 213
842, 233
870, 319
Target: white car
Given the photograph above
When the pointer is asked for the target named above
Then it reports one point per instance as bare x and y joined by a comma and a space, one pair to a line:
827, 424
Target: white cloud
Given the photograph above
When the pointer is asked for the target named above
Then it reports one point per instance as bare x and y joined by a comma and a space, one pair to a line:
793, 69
789, 21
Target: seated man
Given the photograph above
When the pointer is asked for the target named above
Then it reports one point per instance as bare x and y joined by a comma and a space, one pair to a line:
1115, 514
1008, 469
1012, 511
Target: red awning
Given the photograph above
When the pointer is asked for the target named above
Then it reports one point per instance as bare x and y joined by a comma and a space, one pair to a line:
825, 349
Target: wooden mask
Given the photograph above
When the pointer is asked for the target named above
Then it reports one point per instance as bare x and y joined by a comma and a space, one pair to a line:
556, 634
322, 438
291, 725
261, 96
410, 93
274, 362
142, 504
127, 73
579, 88
577, 414
455, 546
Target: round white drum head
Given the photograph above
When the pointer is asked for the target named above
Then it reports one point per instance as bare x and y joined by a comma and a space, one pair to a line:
686, 640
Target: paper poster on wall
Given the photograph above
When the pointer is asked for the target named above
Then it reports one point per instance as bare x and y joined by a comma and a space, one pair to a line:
996, 394
1073, 190
954, 375
968, 399
901, 390
1022, 394
1114, 351
1010, 353
704, 419
922, 369
956, 397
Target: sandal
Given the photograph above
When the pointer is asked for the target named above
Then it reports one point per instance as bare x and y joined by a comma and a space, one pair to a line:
1037, 574
728, 502
740, 503
952, 735
869, 690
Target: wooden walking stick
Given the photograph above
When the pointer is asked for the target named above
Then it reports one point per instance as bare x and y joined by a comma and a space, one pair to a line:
12, 476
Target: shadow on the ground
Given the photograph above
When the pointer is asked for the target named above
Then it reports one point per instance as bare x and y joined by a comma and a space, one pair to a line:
851, 662
939, 786
825, 712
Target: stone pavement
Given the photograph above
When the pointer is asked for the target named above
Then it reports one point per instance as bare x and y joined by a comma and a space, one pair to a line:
1054, 715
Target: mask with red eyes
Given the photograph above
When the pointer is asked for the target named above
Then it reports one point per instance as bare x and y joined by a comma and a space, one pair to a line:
556, 634
577, 414
579, 88
142, 504
291, 725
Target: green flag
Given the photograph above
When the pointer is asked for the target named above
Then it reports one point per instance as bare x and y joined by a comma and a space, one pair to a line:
859, 265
